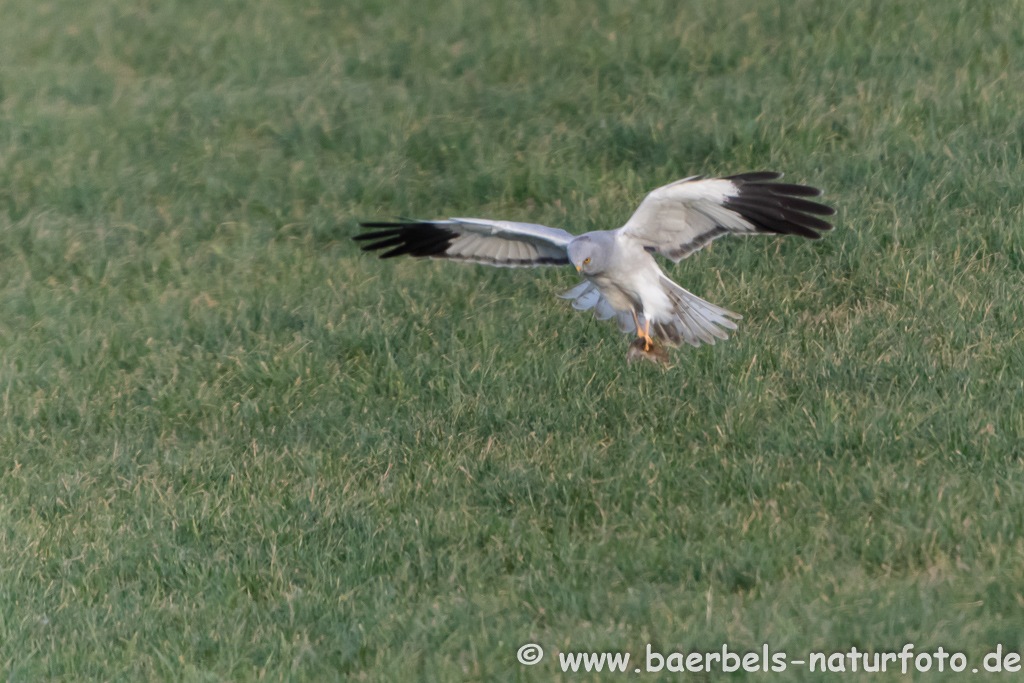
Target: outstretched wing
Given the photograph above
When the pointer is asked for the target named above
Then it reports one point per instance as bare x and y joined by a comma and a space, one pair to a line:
495, 243
680, 218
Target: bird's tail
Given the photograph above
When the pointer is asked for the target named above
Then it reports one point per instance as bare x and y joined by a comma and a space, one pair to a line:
692, 320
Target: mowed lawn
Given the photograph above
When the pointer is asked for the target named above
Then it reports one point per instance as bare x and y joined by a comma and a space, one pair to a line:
234, 447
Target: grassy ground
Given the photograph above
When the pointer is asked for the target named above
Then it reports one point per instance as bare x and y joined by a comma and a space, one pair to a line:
234, 447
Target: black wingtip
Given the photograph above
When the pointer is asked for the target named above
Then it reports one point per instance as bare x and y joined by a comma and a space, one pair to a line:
790, 190
756, 176
415, 238
779, 208
385, 224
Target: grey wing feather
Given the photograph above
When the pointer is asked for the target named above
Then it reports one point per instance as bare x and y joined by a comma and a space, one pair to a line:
586, 295
504, 244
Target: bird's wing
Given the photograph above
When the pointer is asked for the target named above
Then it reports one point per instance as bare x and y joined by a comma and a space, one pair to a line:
586, 295
681, 217
495, 243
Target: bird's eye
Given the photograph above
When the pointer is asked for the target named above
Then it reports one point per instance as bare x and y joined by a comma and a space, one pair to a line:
586, 261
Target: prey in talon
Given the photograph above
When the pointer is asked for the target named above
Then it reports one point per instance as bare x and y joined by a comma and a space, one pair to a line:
643, 349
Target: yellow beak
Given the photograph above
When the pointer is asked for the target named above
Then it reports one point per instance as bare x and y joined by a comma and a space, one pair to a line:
577, 269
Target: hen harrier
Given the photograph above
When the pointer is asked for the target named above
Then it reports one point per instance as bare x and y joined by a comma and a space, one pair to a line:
621, 278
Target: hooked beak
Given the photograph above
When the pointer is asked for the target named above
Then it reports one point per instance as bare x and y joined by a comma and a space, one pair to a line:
577, 267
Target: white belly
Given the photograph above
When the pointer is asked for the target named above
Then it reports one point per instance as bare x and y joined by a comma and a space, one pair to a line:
637, 288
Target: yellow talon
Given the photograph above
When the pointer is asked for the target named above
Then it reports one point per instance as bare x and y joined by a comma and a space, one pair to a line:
644, 333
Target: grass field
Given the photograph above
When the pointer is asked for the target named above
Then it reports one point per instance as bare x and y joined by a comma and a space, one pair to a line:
233, 447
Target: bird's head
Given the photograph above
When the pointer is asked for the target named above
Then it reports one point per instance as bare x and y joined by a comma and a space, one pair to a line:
588, 254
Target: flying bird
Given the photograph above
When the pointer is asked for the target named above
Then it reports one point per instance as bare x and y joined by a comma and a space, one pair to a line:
621, 278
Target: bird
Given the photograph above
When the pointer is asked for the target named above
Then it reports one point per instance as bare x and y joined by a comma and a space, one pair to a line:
621, 278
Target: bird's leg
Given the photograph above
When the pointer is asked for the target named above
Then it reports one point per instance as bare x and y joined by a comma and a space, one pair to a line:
643, 333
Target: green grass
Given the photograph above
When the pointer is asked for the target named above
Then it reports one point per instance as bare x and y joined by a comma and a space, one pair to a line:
233, 447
